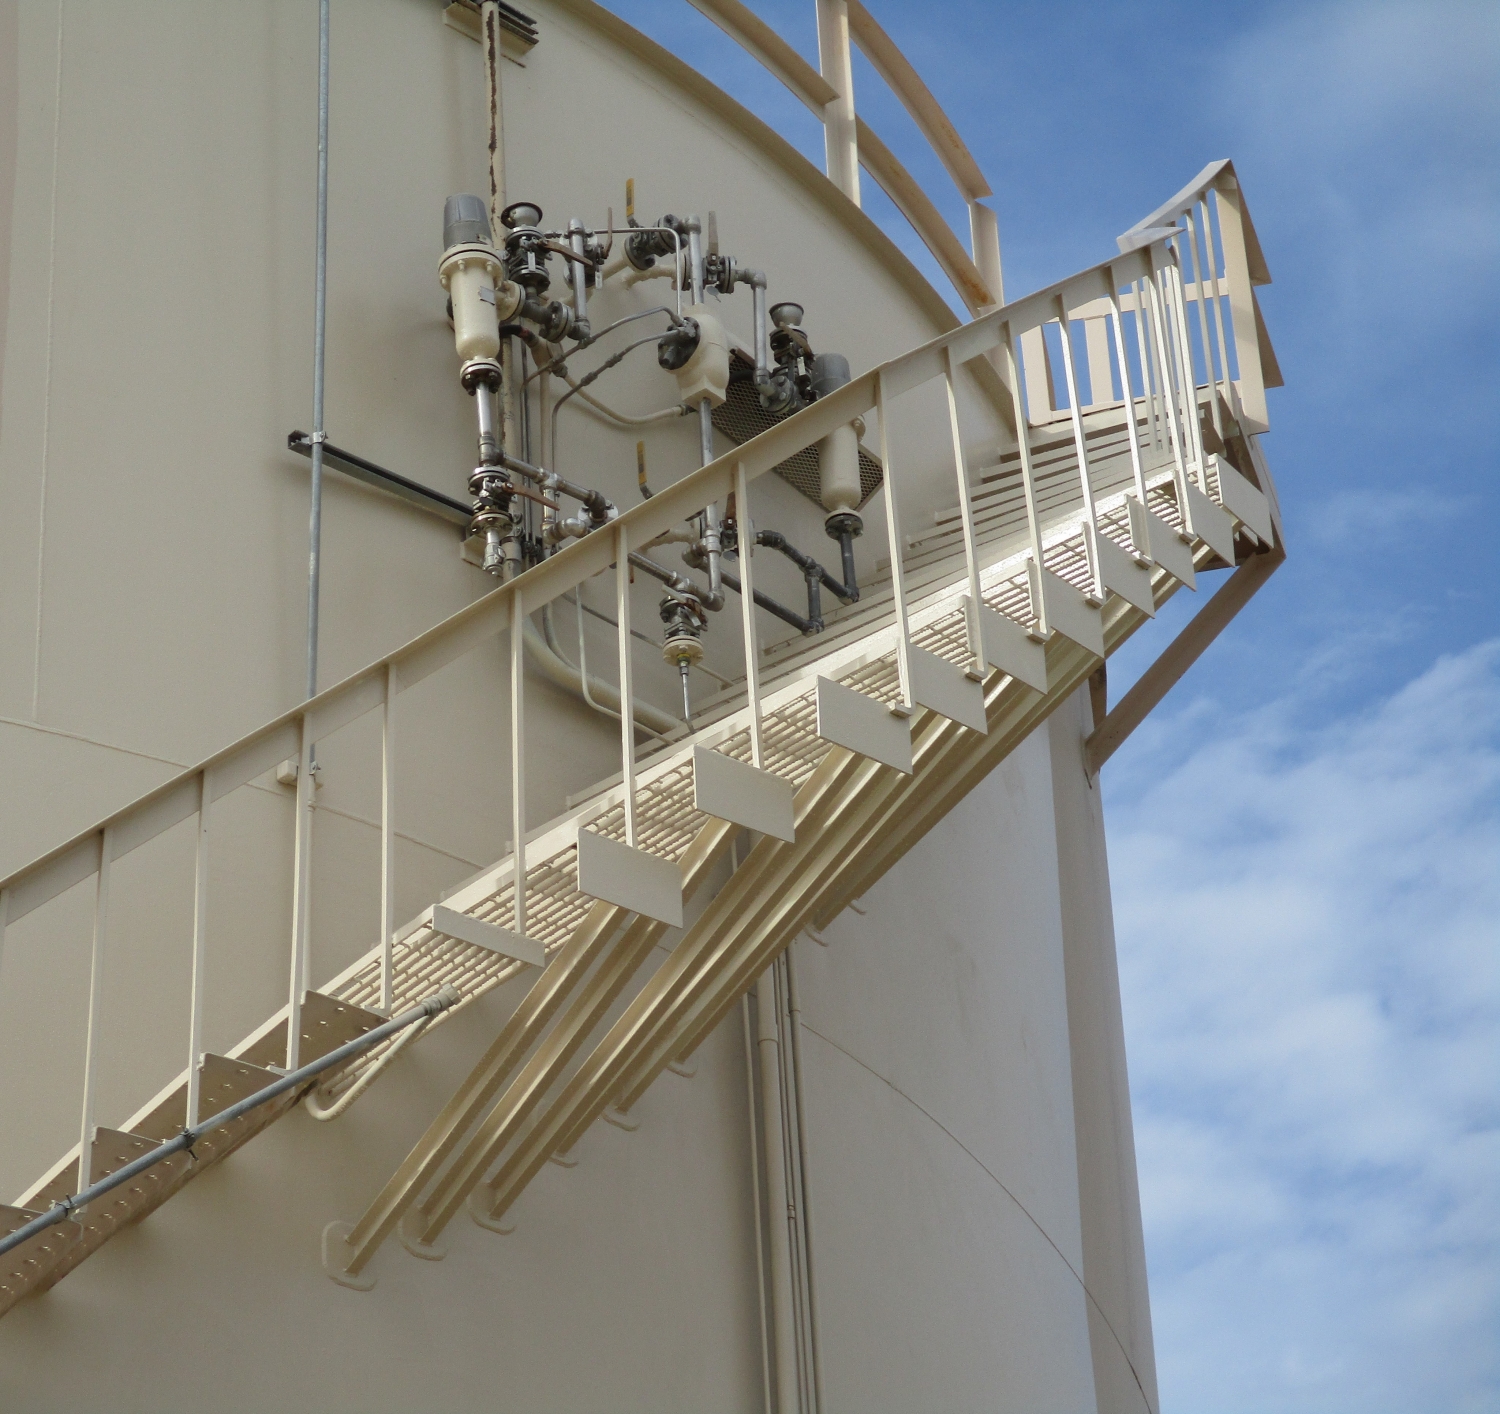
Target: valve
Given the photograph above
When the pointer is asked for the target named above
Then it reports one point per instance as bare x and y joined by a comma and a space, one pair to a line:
683, 619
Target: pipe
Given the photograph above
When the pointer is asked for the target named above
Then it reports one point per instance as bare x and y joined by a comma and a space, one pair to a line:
559, 671
775, 540
446, 996
791, 616
320, 329
333, 1111
794, 1006
760, 1259
625, 419
777, 1210
579, 268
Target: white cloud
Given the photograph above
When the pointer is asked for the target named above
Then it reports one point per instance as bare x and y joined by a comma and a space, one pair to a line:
1308, 933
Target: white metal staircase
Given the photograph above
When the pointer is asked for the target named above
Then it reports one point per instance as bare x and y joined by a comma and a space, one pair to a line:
1136, 468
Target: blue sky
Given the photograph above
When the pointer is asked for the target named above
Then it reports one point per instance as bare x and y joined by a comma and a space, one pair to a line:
1305, 838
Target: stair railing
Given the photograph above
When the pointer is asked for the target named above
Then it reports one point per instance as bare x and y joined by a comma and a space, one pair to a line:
1140, 293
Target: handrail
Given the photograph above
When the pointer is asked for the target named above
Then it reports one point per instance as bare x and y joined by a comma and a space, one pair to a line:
1244, 268
761, 42
176, 800
904, 81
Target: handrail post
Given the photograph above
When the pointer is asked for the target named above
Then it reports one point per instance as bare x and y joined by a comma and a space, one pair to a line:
1253, 415
518, 760
200, 934
96, 989
1080, 446
1132, 432
1168, 402
840, 133
966, 516
1208, 350
1040, 627
388, 837
627, 695
893, 532
747, 612
301, 896
1212, 257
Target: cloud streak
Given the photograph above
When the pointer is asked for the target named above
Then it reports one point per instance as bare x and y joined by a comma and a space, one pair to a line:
1307, 926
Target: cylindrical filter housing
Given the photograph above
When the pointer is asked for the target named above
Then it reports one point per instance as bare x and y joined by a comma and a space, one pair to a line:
472, 273
838, 453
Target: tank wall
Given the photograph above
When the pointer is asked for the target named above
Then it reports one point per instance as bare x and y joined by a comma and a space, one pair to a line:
152, 597
153, 525
1114, 1253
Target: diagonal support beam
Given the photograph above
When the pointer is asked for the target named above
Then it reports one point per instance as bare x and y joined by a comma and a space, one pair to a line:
1180, 655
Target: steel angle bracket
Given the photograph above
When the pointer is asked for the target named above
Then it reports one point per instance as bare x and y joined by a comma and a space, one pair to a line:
1009, 647
453, 924
1068, 612
1132, 582
1211, 524
1243, 501
946, 689
862, 725
1154, 537
743, 795
629, 878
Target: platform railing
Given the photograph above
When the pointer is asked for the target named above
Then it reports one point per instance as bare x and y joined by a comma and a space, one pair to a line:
1142, 382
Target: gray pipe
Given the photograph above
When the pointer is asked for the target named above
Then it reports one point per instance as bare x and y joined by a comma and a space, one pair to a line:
558, 670
320, 320
446, 996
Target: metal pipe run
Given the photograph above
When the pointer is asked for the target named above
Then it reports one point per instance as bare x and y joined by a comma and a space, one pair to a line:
446, 996
320, 322
764, 601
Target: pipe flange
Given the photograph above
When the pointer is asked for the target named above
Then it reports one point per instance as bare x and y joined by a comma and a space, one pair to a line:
844, 523
479, 373
682, 648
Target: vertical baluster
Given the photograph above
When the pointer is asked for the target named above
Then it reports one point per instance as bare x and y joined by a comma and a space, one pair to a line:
627, 696
1131, 431
1208, 351
91, 1041
1172, 275
1211, 255
966, 515
518, 759
388, 839
200, 935
4, 908
893, 531
1040, 626
1149, 379
1080, 446
1159, 344
301, 896
747, 611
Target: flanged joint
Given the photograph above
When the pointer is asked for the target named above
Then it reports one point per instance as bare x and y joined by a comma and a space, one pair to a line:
479, 373
845, 523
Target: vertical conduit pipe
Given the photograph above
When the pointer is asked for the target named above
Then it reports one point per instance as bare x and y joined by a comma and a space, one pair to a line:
798, 1081
320, 318
785, 1336
760, 1254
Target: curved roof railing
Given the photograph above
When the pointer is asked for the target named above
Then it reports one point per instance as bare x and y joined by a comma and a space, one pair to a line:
977, 275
